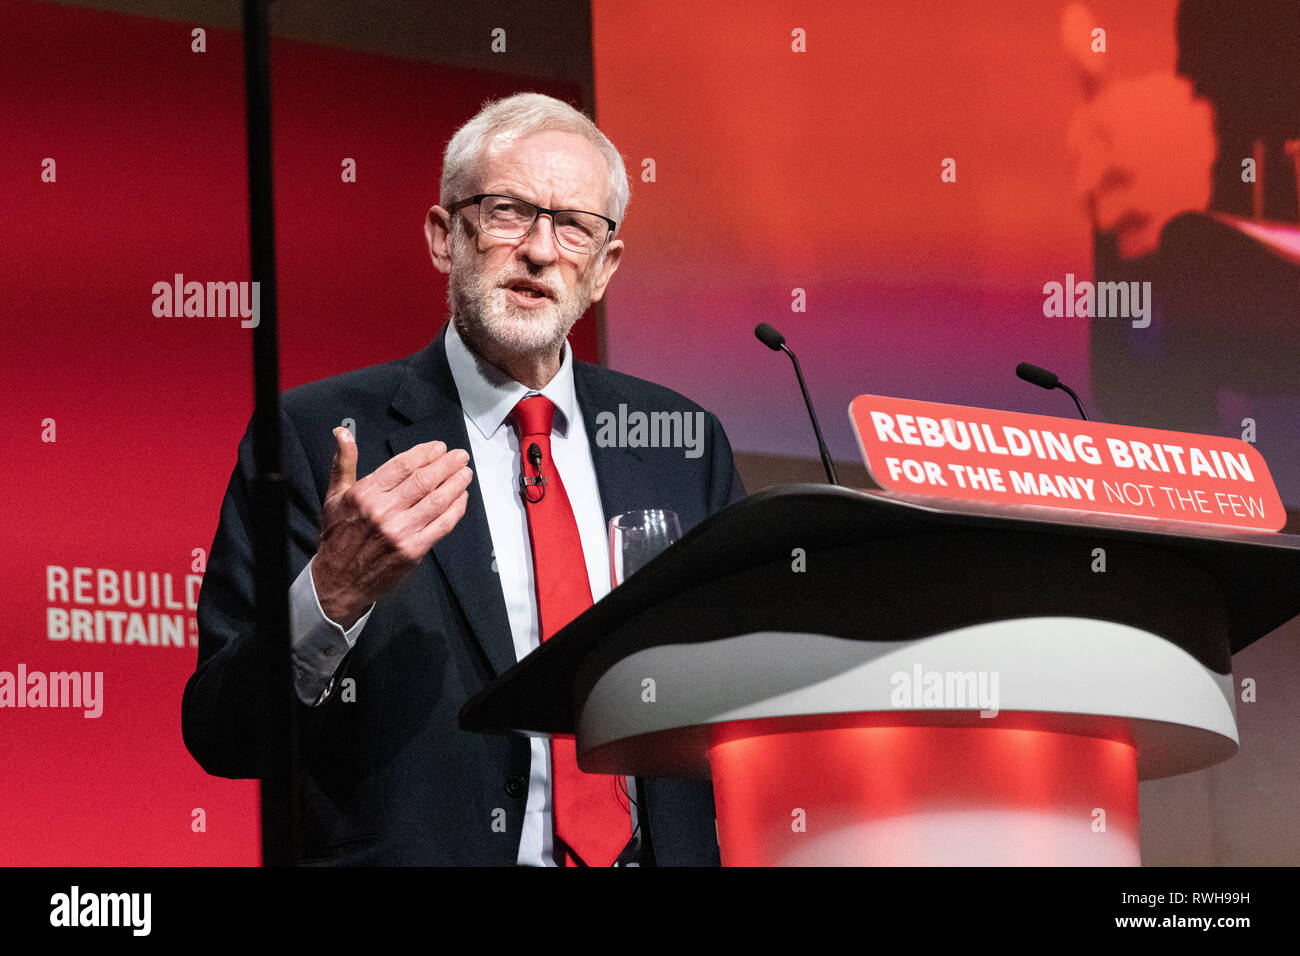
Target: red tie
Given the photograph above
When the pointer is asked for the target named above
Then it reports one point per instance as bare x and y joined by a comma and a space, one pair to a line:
589, 816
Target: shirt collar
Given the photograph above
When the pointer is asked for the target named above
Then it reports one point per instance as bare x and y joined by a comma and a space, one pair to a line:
488, 395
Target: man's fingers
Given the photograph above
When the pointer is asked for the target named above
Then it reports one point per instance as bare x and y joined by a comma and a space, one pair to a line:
425, 480
438, 498
343, 472
440, 526
1077, 26
400, 467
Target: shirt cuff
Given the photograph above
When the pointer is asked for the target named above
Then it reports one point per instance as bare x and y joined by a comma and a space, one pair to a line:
319, 644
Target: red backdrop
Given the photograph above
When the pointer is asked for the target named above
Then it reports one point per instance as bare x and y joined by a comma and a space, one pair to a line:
149, 149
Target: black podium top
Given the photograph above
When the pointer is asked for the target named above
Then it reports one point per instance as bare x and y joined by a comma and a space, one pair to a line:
1256, 573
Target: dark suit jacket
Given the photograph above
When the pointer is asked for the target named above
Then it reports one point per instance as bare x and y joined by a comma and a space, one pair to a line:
390, 778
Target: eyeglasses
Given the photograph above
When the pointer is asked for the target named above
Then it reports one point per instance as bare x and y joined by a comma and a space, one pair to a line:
507, 217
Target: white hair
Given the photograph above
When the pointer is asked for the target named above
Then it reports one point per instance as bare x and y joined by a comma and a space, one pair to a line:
518, 116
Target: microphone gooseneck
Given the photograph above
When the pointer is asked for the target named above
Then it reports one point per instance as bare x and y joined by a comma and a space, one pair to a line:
774, 340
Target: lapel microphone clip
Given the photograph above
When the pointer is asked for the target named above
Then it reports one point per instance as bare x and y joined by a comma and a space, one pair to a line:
538, 480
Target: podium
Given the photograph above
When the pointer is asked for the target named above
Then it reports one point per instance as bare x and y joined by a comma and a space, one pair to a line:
870, 679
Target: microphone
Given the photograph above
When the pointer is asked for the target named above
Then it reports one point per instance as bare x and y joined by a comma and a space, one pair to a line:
776, 342
526, 482
1048, 380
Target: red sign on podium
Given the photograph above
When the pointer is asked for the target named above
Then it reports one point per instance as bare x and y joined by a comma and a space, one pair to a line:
964, 453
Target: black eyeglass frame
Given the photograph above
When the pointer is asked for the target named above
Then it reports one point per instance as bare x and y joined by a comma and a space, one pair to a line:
540, 211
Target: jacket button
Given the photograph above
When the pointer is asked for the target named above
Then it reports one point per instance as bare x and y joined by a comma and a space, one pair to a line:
515, 786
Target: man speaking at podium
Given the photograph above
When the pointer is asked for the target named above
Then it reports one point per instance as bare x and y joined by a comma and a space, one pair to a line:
422, 567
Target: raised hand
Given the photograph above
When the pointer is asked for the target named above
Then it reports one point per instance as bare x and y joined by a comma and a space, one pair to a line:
376, 529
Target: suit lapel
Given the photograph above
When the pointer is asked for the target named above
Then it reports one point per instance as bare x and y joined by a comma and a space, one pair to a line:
428, 399
620, 472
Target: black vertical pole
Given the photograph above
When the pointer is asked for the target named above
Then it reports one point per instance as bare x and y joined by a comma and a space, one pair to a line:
280, 779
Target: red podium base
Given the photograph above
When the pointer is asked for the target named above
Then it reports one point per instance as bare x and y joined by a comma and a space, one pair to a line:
880, 790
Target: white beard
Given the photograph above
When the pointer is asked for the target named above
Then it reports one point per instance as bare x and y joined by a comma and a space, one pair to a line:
483, 308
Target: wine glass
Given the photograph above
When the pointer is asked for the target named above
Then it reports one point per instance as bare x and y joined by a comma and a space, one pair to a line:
636, 537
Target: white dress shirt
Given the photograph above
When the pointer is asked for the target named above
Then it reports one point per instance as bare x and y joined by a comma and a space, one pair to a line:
488, 396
